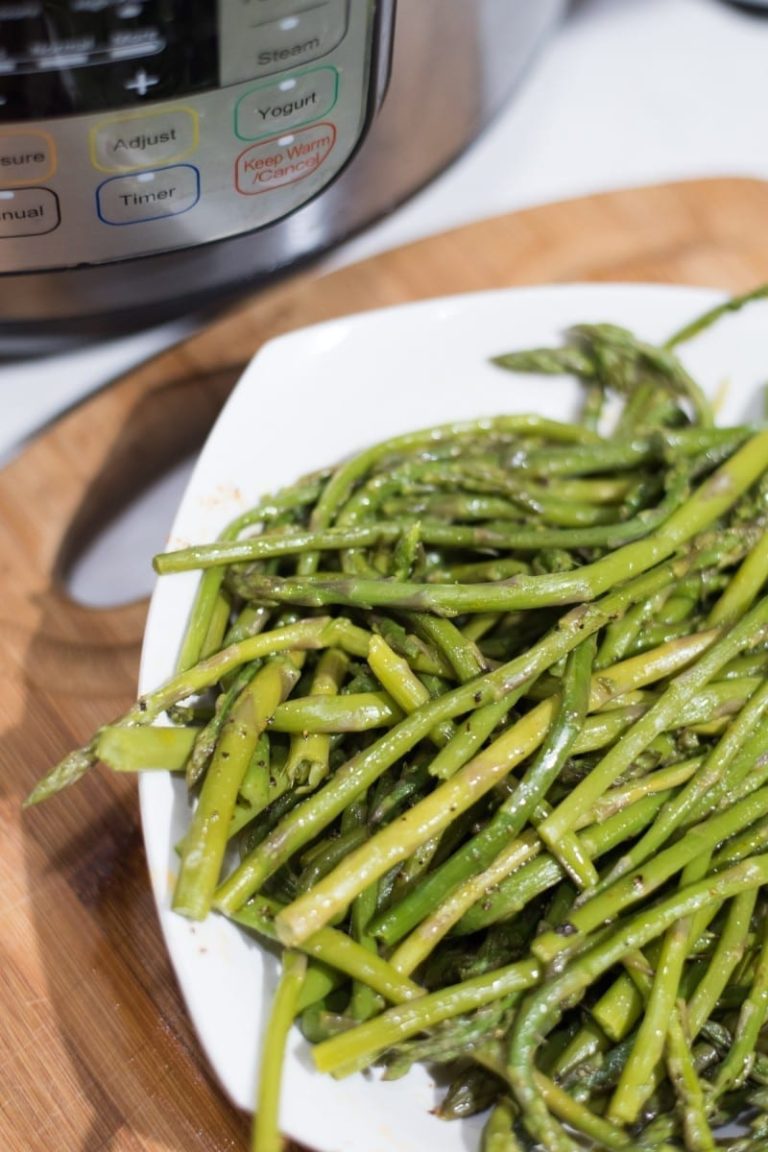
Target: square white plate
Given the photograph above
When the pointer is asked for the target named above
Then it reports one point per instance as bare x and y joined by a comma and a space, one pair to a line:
309, 399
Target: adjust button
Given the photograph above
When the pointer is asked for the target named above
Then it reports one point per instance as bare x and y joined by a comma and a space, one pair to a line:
25, 157
288, 103
127, 143
28, 212
148, 195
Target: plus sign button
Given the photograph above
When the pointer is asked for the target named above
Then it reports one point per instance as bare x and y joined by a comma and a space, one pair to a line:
142, 82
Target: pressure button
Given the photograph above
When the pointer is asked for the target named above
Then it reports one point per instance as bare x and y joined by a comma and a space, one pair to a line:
25, 157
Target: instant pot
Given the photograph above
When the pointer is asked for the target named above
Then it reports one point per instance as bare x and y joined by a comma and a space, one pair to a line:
157, 153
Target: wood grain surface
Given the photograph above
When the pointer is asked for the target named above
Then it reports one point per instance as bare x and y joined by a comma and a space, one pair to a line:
96, 1051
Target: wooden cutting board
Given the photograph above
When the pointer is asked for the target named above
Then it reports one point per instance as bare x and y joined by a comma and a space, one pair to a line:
96, 1051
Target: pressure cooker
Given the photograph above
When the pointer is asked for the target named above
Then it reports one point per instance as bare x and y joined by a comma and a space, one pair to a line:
155, 154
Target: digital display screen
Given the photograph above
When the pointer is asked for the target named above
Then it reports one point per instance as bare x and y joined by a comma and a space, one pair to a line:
63, 57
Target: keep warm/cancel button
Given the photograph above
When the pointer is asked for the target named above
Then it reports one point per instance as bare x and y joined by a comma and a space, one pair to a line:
284, 159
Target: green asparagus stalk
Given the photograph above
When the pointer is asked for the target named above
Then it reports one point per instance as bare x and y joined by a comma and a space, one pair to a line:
266, 1129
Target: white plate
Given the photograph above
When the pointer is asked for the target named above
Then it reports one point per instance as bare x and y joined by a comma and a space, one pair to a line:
309, 399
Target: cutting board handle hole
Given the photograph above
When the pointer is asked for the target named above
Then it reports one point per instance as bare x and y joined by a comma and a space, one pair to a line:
130, 496
114, 566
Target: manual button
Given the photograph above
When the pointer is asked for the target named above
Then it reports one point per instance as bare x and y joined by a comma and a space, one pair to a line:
28, 212
25, 157
128, 143
148, 196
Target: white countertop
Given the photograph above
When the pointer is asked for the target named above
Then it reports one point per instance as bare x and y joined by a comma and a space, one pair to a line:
627, 92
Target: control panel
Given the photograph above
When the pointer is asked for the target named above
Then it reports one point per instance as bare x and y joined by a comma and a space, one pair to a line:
131, 127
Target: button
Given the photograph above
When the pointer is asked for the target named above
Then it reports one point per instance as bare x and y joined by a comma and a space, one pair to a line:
28, 212
148, 195
141, 82
132, 43
25, 157
142, 140
283, 160
43, 50
58, 53
265, 48
288, 103
262, 11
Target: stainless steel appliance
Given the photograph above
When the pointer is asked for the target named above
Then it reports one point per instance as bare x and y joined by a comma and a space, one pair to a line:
155, 153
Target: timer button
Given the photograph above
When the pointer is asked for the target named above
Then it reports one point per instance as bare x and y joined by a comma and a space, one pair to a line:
28, 212
25, 157
146, 196
144, 140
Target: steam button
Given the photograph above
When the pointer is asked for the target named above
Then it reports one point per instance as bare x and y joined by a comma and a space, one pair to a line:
267, 48
145, 196
28, 212
25, 157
